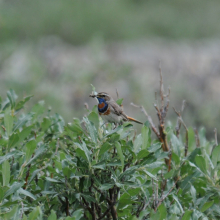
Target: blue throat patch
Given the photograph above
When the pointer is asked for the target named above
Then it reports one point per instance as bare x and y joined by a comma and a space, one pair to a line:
103, 103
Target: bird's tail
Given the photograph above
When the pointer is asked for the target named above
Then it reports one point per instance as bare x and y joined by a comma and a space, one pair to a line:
132, 119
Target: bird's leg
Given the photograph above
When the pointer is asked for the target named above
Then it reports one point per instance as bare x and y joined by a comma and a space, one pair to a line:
103, 124
115, 126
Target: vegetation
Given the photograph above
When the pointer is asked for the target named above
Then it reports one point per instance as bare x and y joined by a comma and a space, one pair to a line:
77, 22
86, 170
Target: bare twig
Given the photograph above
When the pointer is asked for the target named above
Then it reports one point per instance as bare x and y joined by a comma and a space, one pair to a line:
161, 87
67, 206
153, 127
117, 93
197, 138
86, 105
4, 128
180, 120
161, 113
107, 211
171, 189
216, 140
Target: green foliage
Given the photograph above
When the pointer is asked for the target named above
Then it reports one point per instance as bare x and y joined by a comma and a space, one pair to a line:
83, 170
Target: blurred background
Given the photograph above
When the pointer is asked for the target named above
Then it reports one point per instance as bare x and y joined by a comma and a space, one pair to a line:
56, 49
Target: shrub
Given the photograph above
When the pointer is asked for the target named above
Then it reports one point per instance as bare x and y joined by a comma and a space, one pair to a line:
84, 170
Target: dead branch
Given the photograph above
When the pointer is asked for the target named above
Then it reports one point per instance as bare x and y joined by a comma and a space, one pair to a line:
86, 105
171, 189
161, 114
197, 137
216, 140
117, 93
153, 127
180, 120
161, 87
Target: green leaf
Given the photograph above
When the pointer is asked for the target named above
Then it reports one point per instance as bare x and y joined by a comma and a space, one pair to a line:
137, 144
78, 214
13, 140
187, 215
91, 129
105, 147
83, 151
9, 155
148, 173
216, 155
3, 189
154, 147
12, 97
21, 103
37, 153
24, 133
26, 193
207, 205
67, 172
93, 89
45, 124
169, 174
94, 118
22, 121
163, 212
13, 188
52, 216
8, 121
52, 180
6, 173
38, 109
201, 163
120, 154
176, 144
142, 154
75, 126
30, 148
11, 213
145, 137
179, 204
119, 101
35, 213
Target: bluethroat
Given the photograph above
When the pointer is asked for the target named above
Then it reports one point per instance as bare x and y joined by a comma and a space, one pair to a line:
110, 111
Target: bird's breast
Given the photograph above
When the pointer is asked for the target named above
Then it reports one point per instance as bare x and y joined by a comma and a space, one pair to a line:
102, 107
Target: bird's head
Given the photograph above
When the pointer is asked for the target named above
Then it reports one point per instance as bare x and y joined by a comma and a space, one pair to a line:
102, 96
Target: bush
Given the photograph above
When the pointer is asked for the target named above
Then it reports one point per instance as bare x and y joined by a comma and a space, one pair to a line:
83, 170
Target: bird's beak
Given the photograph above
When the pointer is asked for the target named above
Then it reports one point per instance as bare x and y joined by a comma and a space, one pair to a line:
93, 96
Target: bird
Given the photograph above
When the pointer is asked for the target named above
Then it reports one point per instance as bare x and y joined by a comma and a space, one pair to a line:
110, 111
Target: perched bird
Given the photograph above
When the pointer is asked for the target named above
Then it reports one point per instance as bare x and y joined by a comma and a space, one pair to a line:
110, 111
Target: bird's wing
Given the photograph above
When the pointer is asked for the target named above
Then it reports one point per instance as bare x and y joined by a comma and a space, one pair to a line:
116, 109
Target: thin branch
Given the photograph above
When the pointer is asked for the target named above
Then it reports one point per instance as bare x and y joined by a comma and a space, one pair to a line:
67, 206
174, 185
153, 127
161, 86
216, 140
197, 138
184, 125
117, 93
86, 105
107, 211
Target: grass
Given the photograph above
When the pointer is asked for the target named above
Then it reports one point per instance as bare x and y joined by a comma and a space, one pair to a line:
78, 21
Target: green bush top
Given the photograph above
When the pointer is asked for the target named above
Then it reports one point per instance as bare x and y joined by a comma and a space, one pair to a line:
84, 170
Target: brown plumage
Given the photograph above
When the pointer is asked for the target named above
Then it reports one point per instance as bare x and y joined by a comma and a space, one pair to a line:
110, 111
